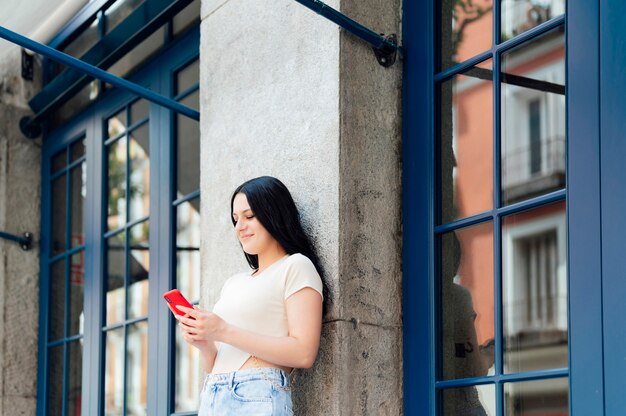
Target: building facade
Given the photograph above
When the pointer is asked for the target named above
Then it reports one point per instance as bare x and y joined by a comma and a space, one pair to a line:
466, 202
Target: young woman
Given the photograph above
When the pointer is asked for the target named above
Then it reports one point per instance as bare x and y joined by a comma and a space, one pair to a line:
267, 320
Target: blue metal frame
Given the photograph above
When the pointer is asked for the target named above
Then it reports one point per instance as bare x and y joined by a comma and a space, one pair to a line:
613, 198
588, 343
91, 124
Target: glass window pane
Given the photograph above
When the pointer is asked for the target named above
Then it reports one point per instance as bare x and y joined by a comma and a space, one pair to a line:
114, 373
534, 289
117, 184
189, 16
470, 401
74, 383
59, 213
187, 154
139, 54
79, 193
117, 124
188, 77
466, 29
188, 372
84, 41
119, 11
467, 302
56, 319
139, 153
138, 111
77, 283
537, 397
533, 118
518, 16
116, 271
188, 249
139, 268
466, 150
78, 149
59, 161
55, 381
75, 104
137, 370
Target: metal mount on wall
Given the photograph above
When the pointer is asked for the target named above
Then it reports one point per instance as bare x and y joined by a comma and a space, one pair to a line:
25, 241
386, 48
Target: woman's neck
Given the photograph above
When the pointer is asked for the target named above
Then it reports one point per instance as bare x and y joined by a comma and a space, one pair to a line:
269, 257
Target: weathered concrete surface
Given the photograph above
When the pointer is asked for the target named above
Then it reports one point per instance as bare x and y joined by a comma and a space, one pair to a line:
286, 93
20, 184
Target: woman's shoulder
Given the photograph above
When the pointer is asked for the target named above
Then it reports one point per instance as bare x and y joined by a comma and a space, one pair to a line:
299, 259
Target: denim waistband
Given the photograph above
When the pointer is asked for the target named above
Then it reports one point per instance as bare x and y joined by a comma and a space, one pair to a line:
274, 375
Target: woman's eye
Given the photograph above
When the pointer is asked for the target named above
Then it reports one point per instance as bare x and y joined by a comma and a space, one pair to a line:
250, 217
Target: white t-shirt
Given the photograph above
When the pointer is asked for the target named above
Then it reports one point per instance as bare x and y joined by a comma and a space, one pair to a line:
257, 303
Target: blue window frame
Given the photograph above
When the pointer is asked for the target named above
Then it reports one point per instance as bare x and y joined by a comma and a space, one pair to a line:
82, 364
426, 228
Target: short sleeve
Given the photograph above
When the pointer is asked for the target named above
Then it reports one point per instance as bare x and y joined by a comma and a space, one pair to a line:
301, 273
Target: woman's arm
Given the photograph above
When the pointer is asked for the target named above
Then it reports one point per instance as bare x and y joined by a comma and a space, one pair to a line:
298, 349
208, 349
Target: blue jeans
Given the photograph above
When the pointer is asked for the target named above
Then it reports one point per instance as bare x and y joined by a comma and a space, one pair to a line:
250, 392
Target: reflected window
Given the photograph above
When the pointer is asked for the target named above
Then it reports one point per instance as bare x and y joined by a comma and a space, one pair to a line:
518, 16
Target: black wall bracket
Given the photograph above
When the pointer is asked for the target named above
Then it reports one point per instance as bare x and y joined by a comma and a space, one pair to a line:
25, 241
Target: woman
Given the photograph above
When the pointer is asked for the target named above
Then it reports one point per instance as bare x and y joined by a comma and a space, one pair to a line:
268, 320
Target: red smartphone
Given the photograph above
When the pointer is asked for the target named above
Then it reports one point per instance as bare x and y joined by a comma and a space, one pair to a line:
173, 298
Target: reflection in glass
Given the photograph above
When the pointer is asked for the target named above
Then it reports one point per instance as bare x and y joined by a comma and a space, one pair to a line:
116, 291
119, 11
188, 151
75, 104
139, 267
188, 249
534, 289
188, 281
538, 397
188, 372
139, 54
78, 149
533, 118
84, 41
467, 306
117, 184
471, 401
466, 29
59, 161
77, 283
114, 373
56, 319
74, 382
138, 111
79, 193
55, 381
139, 153
467, 143
189, 16
137, 369
188, 77
117, 124
59, 212
518, 16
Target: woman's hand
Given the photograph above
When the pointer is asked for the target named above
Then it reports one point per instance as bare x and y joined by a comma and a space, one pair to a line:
200, 326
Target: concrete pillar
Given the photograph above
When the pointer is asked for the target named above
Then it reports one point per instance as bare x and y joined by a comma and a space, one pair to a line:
287, 93
20, 200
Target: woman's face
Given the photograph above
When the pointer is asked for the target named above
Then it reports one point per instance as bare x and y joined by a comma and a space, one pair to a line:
254, 238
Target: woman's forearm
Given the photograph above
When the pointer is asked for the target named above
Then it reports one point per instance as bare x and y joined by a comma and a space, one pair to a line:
284, 351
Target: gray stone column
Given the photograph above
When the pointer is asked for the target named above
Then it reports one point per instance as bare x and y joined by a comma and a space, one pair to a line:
20, 200
287, 93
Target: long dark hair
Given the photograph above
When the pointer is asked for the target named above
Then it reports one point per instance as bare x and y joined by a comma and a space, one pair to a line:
275, 209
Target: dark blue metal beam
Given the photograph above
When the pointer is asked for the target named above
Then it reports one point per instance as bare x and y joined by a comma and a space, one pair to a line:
386, 45
25, 241
92, 71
